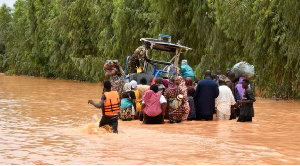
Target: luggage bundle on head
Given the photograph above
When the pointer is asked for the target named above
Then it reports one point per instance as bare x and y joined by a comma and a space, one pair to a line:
243, 69
112, 68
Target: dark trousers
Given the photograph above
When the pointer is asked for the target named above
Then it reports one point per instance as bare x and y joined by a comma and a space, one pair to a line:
244, 119
238, 111
154, 120
206, 117
233, 113
112, 121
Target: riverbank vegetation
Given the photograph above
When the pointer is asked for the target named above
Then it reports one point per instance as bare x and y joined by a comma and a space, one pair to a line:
71, 38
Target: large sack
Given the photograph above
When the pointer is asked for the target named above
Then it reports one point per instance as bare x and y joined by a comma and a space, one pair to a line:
243, 69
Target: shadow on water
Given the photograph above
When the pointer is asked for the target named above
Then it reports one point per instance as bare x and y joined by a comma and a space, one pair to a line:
46, 121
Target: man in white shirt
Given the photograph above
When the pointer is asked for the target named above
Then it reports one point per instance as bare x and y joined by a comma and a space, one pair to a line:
224, 101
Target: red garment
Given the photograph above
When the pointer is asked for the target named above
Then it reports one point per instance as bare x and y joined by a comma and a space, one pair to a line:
153, 81
189, 86
152, 103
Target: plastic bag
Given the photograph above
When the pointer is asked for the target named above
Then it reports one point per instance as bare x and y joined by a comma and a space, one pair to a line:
243, 69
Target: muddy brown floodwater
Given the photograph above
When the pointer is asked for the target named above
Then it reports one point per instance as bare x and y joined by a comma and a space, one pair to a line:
44, 121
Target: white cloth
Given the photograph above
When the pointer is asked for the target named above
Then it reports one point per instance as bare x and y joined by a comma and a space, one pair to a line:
222, 116
162, 100
224, 100
133, 84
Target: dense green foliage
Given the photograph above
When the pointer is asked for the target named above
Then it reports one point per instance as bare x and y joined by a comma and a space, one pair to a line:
71, 38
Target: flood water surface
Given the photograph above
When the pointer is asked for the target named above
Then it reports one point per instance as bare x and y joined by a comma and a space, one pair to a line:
46, 121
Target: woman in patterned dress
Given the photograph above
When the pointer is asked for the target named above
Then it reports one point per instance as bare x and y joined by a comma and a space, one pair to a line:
118, 82
183, 90
177, 97
127, 105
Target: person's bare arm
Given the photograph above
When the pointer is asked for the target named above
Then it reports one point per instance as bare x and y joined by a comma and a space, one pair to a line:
100, 104
134, 104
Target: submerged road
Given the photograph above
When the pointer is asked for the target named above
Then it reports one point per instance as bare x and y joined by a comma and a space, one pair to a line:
48, 121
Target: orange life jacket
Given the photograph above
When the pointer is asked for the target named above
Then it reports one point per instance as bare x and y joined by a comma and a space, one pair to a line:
112, 103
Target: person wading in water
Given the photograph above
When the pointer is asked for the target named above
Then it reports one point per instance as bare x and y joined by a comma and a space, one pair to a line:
110, 105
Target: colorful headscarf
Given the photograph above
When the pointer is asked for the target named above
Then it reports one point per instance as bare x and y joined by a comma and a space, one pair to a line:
173, 71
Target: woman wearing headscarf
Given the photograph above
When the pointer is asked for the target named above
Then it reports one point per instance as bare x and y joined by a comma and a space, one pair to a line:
176, 97
184, 91
128, 105
154, 106
165, 82
117, 83
134, 89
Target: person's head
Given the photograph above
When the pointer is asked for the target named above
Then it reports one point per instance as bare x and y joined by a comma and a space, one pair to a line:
214, 77
133, 84
184, 62
188, 81
124, 95
143, 81
245, 83
165, 82
228, 70
221, 82
154, 88
207, 74
231, 76
219, 71
158, 80
127, 87
107, 85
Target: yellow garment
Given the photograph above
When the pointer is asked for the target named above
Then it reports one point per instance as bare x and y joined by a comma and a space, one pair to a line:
138, 101
139, 70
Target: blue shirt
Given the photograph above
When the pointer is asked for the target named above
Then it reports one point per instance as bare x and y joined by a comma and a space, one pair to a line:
186, 71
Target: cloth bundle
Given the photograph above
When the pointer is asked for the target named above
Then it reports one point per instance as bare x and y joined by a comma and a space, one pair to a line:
243, 69
112, 68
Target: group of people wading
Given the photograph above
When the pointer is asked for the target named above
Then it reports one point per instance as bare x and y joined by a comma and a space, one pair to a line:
177, 98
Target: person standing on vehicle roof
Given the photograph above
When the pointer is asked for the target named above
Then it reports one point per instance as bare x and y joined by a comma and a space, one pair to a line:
186, 70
